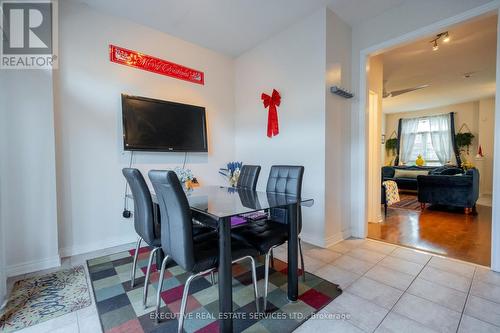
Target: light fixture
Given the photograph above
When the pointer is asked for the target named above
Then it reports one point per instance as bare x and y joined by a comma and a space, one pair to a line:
435, 47
446, 39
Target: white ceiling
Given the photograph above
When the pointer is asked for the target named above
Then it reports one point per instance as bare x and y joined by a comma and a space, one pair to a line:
232, 27
472, 49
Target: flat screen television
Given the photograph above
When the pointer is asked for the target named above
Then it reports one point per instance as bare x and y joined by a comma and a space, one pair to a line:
156, 125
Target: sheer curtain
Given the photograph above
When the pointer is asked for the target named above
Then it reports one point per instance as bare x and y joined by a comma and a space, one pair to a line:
408, 134
440, 127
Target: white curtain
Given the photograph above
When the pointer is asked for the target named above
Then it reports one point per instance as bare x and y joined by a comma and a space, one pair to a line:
441, 137
408, 134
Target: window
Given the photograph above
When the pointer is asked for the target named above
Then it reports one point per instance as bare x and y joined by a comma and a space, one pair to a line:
426, 136
423, 144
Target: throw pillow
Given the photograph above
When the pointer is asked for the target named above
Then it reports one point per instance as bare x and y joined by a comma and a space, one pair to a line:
400, 173
452, 171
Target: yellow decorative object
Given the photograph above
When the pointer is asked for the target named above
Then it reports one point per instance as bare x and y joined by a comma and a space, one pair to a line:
466, 165
420, 161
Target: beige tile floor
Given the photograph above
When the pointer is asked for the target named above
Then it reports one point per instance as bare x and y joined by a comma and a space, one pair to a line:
386, 289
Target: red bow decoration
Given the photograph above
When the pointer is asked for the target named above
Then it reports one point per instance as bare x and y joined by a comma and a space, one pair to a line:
272, 117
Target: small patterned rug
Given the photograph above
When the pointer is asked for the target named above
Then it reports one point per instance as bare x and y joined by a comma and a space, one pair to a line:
120, 306
407, 201
38, 299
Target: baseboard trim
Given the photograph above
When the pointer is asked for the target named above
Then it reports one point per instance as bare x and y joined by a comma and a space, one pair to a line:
311, 239
33, 266
334, 239
326, 242
4, 303
96, 246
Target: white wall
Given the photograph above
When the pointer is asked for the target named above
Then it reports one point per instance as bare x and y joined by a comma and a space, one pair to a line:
486, 134
396, 22
88, 120
3, 271
337, 129
301, 62
292, 62
28, 183
3, 149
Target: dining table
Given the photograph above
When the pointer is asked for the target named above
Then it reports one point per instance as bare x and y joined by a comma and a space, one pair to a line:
219, 204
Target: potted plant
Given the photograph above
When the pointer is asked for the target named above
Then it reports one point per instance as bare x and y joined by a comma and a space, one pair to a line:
391, 145
464, 140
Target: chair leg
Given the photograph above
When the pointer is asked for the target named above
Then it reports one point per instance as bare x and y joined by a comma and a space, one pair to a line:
302, 262
185, 293
212, 277
134, 264
255, 287
146, 281
182, 310
160, 285
272, 257
254, 279
266, 275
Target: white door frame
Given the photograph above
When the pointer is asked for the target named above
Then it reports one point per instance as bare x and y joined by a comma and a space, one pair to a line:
358, 180
373, 143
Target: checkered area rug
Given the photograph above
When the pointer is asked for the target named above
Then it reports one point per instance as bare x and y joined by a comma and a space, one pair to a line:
120, 306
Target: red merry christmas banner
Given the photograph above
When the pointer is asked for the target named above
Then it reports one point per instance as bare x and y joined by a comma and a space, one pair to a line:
145, 62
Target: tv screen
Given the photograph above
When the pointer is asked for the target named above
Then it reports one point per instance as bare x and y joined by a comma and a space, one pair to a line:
155, 125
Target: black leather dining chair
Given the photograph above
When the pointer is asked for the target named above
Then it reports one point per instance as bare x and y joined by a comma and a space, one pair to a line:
144, 222
249, 175
145, 225
197, 255
267, 234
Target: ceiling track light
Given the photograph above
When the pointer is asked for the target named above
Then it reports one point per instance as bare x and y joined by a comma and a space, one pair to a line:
435, 47
446, 38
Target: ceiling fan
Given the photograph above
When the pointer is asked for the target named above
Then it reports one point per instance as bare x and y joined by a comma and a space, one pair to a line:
395, 93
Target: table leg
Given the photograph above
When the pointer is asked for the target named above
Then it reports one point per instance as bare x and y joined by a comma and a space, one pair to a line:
225, 277
293, 278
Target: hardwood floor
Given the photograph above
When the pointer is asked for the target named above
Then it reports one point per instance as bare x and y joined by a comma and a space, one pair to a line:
440, 230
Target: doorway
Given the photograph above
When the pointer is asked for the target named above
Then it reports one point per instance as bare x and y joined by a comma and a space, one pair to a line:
416, 96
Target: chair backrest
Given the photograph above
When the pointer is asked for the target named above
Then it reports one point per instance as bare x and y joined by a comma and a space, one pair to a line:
249, 198
285, 179
249, 175
143, 205
176, 219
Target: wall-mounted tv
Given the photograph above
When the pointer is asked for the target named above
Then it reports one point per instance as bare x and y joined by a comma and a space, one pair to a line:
156, 125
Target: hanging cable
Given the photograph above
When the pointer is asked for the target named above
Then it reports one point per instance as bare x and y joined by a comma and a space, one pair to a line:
185, 158
126, 213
